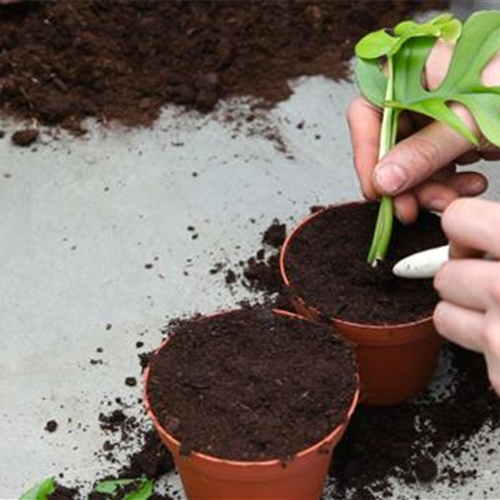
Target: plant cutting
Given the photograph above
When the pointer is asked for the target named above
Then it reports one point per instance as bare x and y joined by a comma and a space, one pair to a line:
251, 403
323, 262
404, 52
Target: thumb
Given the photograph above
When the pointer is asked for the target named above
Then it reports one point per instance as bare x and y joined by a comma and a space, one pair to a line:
417, 158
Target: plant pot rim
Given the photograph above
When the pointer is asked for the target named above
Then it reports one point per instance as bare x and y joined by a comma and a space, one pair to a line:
236, 463
342, 322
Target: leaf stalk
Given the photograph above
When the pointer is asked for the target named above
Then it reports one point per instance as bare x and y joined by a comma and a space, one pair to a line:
388, 136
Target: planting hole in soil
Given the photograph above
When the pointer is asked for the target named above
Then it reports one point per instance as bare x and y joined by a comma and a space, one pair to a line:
257, 400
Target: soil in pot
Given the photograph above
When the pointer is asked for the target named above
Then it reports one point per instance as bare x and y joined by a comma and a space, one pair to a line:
326, 265
252, 385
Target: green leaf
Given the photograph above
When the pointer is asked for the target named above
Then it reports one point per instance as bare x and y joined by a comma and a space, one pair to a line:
41, 491
113, 485
112, 488
371, 81
143, 493
375, 45
452, 31
479, 42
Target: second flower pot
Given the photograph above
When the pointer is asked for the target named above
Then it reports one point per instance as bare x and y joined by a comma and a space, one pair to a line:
209, 477
396, 361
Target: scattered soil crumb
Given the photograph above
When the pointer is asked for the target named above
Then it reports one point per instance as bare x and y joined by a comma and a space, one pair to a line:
131, 381
51, 426
25, 138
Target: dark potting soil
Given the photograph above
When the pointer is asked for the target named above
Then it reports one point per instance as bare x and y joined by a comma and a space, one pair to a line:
234, 385
61, 62
326, 265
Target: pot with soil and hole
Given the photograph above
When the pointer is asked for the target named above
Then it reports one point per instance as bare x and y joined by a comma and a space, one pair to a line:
324, 261
323, 264
251, 403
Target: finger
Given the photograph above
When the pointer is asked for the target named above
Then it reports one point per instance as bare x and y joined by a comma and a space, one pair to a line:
468, 158
364, 125
473, 223
444, 173
417, 158
435, 196
364, 121
406, 208
459, 325
469, 283
438, 195
467, 183
490, 154
437, 64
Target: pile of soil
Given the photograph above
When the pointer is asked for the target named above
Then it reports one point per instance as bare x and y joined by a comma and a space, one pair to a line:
233, 385
326, 265
61, 62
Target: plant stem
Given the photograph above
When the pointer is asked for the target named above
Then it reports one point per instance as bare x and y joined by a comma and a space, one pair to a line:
388, 134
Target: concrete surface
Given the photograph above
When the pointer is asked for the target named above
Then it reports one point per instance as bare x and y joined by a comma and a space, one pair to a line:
82, 216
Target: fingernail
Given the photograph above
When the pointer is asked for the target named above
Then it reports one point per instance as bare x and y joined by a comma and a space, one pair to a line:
474, 187
438, 204
391, 178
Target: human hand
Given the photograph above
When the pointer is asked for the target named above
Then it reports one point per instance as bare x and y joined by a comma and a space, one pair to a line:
420, 171
469, 313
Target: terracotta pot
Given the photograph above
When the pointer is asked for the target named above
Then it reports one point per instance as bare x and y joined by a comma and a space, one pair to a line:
396, 362
209, 478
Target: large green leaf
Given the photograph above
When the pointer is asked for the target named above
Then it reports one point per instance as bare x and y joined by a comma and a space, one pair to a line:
370, 80
41, 491
479, 42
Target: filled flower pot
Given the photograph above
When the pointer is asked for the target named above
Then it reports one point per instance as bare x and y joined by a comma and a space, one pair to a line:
323, 264
252, 403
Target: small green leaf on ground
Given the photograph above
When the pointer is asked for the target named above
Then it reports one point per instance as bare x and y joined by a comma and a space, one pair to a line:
41, 491
113, 487
143, 492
